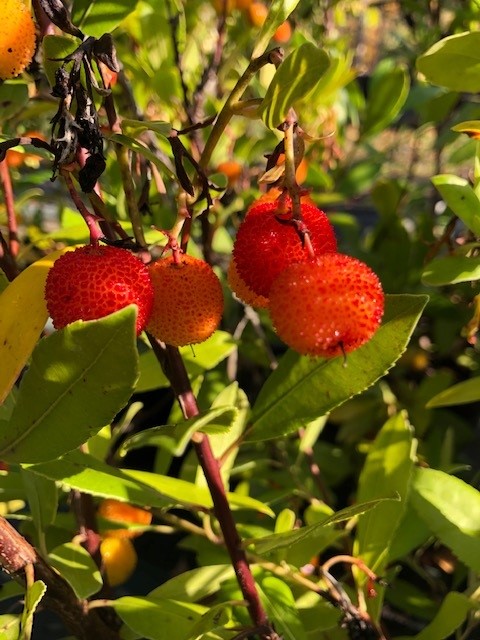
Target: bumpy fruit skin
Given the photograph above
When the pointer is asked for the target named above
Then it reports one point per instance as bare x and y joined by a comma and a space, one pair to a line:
188, 302
123, 512
94, 281
119, 559
267, 242
240, 289
328, 306
17, 38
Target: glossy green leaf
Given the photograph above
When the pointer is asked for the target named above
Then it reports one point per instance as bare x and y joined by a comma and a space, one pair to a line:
33, 596
451, 509
76, 565
79, 378
279, 603
453, 62
78, 470
470, 127
188, 493
461, 198
158, 619
215, 619
42, 496
320, 532
13, 97
387, 471
9, 626
387, 93
279, 11
54, 48
96, 17
302, 389
195, 584
134, 128
461, 393
452, 613
450, 270
175, 438
295, 78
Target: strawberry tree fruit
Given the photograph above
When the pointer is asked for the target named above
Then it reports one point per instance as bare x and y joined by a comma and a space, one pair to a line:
188, 302
242, 291
269, 240
123, 513
17, 38
93, 281
119, 559
328, 306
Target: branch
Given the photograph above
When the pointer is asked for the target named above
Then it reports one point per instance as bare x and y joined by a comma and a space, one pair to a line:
7, 189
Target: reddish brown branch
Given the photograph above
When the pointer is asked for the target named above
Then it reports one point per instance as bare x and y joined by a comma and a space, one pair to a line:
7, 189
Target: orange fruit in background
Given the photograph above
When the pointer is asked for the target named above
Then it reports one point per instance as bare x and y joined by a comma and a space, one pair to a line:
283, 33
219, 4
119, 559
17, 158
257, 13
232, 169
243, 5
17, 38
301, 171
242, 291
123, 512
188, 300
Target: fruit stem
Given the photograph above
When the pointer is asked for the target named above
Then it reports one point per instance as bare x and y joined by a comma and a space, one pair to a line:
274, 56
7, 189
174, 368
91, 219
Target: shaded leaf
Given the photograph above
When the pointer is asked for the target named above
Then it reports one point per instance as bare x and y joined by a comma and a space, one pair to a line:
96, 17
452, 613
461, 198
461, 393
279, 603
76, 565
387, 94
450, 270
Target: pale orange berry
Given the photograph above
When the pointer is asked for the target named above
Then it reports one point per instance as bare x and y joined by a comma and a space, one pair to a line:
283, 33
17, 38
257, 13
123, 512
232, 169
188, 300
119, 559
242, 291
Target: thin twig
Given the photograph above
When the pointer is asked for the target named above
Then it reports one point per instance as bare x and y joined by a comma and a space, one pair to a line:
7, 190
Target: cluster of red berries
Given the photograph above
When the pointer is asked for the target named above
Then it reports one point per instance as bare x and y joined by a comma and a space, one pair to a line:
322, 303
179, 298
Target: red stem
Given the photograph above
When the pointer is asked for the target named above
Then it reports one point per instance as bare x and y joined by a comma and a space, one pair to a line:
7, 189
91, 219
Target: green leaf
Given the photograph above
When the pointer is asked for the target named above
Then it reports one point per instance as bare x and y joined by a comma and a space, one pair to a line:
76, 565
450, 270
96, 17
387, 471
279, 603
461, 198
53, 49
13, 97
78, 470
451, 509
453, 62
9, 626
302, 389
387, 94
134, 128
188, 493
42, 496
175, 438
32, 599
321, 531
278, 12
452, 613
195, 584
461, 393
215, 619
78, 380
158, 619
294, 79
142, 150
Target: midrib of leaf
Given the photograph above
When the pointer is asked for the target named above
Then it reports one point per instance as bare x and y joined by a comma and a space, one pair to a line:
54, 404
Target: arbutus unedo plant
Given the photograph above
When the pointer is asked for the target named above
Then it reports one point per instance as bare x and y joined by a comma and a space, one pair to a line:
226, 412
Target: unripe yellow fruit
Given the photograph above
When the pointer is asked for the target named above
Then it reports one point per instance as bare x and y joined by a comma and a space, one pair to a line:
17, 38
119, 559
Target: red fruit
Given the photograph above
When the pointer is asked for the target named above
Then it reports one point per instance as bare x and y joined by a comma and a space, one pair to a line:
268, 241
94, 281
188, 304
328, 306
240, 289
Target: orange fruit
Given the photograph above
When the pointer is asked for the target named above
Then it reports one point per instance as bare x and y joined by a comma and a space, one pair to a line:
188, 300
119, 559
124, 513
257, 13
17, 38
232, 169
301, 171
242, 291
219, 5
243, 5
17, 158
283, 33
328, 306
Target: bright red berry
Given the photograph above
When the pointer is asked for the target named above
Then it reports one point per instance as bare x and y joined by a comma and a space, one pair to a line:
188, 304
94, 281
240, 289
269, 240
328, 306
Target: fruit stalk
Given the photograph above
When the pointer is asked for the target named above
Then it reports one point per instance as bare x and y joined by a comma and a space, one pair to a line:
174, 368
91, 219
7, 189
